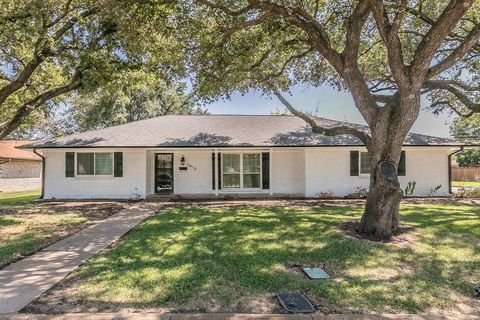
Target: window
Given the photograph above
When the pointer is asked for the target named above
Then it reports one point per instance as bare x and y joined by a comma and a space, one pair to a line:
251, 170
231, 170
241, 170
365, 163
94, 163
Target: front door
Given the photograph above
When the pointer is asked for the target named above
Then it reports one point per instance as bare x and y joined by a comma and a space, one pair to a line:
164, 173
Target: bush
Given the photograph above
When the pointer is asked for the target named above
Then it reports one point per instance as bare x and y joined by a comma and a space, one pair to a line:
467, 193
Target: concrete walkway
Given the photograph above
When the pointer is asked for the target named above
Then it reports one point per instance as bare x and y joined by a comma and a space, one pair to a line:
223, 316
25, 280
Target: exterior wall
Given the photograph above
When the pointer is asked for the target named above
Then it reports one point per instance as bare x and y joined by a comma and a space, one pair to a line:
288, 172
197, 179
327, 171
20, 175
60, 187
309, 172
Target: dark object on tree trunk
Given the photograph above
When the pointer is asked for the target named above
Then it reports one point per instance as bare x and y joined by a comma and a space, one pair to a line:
295, 303
390, 172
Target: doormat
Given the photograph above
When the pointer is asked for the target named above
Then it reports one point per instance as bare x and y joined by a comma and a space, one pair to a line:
295, 303
316, 273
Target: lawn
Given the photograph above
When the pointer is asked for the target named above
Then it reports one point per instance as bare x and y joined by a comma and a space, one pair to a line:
235, 259
26, 226
11, 198
472, 184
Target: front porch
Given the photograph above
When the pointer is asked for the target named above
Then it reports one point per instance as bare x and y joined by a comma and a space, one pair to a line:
224, 173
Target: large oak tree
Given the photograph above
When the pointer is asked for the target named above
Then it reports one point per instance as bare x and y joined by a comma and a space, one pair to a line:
50, 49
387, 54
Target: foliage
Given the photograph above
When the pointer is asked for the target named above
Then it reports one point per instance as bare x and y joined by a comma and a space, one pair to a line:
467, 129
50, 49
469, 158
466, 192
410, 188
237, 258
433, 190
139, 96
386, 54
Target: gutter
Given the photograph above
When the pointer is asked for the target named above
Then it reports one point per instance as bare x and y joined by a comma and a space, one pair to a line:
450, 168
43, 172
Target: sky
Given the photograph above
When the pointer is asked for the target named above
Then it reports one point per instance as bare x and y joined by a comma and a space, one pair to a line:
324, 102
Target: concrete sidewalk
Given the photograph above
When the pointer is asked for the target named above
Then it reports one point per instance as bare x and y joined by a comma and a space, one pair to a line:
222, 316
25, 280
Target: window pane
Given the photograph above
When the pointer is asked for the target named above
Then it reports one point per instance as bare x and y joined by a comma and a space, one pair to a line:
251, 180
85, 163
365, 163
231, 180
231, 163
251, 163
103, 163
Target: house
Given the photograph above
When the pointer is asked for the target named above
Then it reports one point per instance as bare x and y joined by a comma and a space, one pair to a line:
20, 169
228, 155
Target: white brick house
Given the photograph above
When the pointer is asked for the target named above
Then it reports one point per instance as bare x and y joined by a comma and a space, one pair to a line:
221, 155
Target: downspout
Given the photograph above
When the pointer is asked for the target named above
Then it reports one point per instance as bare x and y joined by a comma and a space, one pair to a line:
450, 168
43, 172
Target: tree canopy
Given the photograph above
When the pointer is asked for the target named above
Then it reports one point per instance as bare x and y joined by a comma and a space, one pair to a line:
52, 48
386, 54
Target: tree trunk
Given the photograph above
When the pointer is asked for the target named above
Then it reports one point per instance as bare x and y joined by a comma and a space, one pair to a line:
381, 215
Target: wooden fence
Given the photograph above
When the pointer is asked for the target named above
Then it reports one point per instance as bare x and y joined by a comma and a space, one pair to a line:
466, 174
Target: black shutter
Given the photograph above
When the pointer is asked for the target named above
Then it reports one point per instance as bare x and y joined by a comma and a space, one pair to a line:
118, 164
402, 168
213, 170
265, 170
354, 163
69, 164
219, 171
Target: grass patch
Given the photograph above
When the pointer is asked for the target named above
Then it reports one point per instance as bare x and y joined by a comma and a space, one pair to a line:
27, 227
471, 184
235, 259
17, 198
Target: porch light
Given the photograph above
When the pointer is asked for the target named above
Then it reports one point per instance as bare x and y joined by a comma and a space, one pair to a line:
182, 160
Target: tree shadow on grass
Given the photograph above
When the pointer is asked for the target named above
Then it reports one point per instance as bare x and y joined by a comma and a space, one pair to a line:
218, 259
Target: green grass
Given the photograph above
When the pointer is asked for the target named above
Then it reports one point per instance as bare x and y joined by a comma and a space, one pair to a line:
26, 227
17, 198
235, 257
473, 184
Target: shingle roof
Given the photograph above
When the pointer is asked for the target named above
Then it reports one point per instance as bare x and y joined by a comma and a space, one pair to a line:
219, 131
8, 150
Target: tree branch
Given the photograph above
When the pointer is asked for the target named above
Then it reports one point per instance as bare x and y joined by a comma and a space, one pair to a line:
389, 34
463, 98
331, 131
429, 45
39, 57
28, 107
471, 40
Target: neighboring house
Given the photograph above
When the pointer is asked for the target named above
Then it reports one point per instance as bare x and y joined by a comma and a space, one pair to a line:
227, 155
20, 170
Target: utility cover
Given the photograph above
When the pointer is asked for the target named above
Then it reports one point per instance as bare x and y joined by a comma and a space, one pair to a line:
316, 273
295, 303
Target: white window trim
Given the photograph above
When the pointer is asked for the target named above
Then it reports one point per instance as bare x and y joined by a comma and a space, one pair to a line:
241, 173
93, 176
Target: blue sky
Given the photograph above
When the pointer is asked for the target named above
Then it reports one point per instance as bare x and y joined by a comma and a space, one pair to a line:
327, 103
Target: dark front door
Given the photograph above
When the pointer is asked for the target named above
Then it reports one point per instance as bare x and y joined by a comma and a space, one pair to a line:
164, 173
